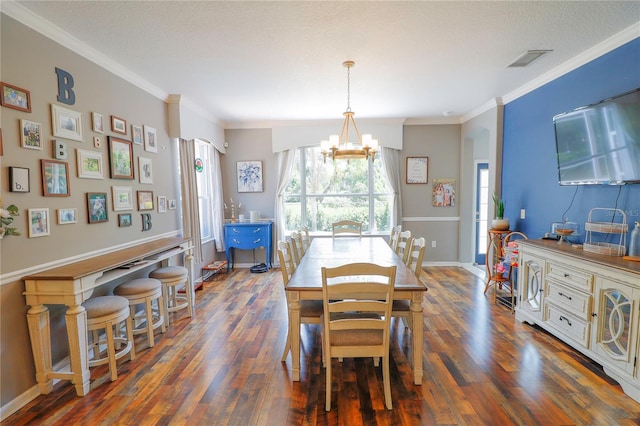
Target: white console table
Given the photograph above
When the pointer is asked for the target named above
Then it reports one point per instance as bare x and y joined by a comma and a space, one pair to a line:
71, 285
590, 301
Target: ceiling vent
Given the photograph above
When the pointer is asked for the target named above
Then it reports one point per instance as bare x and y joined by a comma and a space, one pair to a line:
527, 57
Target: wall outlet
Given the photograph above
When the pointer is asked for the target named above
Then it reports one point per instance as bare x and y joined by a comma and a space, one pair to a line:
433, 244
523, 213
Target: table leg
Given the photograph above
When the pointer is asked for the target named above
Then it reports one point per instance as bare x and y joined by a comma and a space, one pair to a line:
76, 318
294, 332
40, 334
417, 334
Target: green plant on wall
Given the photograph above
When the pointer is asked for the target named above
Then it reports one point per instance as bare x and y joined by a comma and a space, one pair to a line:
499, 206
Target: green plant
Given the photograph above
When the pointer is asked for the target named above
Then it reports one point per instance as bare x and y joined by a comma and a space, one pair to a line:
6, 219
499, 206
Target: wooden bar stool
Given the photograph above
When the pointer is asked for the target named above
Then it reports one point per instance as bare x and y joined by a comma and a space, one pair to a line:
143, 291
172, 279
107, 313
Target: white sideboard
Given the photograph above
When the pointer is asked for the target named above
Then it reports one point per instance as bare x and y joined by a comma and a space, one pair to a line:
590, 301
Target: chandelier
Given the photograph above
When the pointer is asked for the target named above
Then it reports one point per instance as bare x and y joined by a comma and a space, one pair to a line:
339, 146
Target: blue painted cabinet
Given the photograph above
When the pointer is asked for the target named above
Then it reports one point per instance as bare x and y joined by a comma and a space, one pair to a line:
248, 236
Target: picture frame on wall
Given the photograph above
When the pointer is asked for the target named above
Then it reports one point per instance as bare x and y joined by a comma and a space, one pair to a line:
19, 179
249, 174
136, 135
31, 134
15, 97
145, 170
120, 158
97, 122
150, 139
66, 123
145, 200
67, 216
38, 222
97, 207
55, 178
124, 220
162, 204
172, 204
444, 192
122, 198
417, 170
118, 125
89, 164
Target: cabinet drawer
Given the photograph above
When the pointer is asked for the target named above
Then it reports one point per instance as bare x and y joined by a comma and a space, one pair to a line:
239, 231
246, 242
571, 277
567, 324
576, 302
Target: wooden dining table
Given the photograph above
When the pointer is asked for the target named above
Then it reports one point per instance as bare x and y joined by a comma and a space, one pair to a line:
306, 284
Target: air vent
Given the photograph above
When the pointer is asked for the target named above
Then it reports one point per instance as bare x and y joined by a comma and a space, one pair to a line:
527, 57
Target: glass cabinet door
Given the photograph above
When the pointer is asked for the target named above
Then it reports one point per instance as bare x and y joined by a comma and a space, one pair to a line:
531, 290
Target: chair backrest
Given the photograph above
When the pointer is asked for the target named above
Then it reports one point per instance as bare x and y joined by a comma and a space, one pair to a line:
346, 228
295, 251
300, 247
416, 254
286, 261
393, 237
306, 239
404, 243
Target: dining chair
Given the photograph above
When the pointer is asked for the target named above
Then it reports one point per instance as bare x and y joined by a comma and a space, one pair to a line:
310, 310
365, 289
393, 237
300, 247
402, 308
294, 239
306, 239
346, 228
403, 245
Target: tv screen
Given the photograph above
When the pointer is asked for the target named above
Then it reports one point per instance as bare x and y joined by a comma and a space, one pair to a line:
600, 143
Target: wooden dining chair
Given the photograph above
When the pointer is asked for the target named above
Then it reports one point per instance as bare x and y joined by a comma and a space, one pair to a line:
310, 310
294, 242
300, 246
393, 237
306, 239
401, 308
346, 228
357, 300
403, 245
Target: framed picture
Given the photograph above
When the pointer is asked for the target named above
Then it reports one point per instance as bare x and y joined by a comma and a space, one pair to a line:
150, 142
55, 178
249, 176
444, 192
38, 222
136, 134
172, 204
118, 125
31, 134
89, 164
66, 123
97, 122
97, 207
15, 97
145, 200
122, 198
124, 219
145, 171
19, 179
1, 146
120, 158
162, 204
417, 169
67, 216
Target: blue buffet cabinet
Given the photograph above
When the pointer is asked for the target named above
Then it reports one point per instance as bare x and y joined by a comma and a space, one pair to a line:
248, 236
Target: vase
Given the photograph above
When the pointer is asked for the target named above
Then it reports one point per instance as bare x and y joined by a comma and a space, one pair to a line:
500, 224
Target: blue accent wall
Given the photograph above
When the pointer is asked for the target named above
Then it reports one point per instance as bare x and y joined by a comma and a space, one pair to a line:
530, 170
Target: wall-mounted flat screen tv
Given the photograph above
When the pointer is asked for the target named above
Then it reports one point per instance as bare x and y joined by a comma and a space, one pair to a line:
599, 144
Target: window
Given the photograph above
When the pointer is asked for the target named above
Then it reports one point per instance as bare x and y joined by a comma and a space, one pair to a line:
204, 179
321, 193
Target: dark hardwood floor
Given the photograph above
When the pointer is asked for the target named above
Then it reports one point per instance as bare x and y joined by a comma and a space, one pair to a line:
223, 368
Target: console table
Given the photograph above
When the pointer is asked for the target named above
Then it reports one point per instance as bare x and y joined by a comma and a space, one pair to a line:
248, 236
71, 285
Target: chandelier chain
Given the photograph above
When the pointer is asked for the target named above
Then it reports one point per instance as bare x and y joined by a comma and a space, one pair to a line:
348, 88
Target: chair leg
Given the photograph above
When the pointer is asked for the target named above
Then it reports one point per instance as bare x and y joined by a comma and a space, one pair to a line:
111, 350
148, 306
327, 406
386, 382
287, 346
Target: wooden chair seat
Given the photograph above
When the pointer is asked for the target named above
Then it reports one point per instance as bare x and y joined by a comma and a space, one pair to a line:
144, 291
173, 278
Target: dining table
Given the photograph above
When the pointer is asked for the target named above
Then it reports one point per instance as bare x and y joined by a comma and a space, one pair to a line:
306, 284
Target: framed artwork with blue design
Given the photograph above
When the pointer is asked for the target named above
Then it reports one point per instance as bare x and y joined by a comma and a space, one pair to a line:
249, 176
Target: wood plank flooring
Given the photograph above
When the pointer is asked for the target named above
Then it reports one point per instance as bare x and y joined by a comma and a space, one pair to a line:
223, 368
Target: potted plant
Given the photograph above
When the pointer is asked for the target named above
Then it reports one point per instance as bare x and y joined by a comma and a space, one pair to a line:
499, 223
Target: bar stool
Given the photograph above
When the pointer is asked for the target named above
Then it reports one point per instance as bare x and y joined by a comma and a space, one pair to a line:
106, 313
143, 291
172, 278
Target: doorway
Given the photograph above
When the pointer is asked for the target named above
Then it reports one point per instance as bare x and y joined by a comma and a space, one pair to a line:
482, 209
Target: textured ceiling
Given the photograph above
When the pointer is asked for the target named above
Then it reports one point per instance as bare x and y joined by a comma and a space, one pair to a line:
247, 62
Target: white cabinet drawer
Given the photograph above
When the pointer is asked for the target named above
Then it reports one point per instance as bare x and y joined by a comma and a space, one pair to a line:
567, 324
581, 280
576, 302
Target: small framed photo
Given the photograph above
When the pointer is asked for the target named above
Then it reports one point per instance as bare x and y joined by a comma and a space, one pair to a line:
66, 123
15, 97
249, 176
97, 207
118, 125
67, 216
172, 204
122, 198
19, 179
55, 178
444, 192
38, 222
89, 164
417, 169
31, 134
120, 158
162, 204
97, 122
136, 134
145, 200
124, 219
145, 170
150, 141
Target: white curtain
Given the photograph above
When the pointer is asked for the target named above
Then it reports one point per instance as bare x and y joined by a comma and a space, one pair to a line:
218, 203
190, 211
285, 161
391, 163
